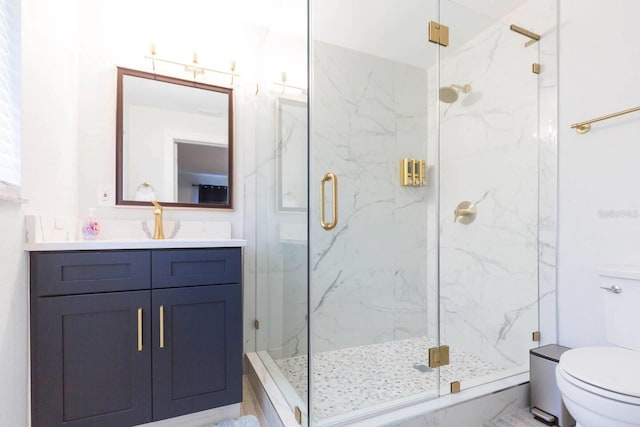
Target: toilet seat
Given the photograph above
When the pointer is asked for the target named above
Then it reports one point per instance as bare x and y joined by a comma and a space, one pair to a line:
611, 372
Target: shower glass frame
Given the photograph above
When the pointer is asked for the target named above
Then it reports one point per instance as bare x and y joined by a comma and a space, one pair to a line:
392, 313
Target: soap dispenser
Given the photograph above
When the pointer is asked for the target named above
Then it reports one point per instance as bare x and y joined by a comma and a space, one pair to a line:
90, 228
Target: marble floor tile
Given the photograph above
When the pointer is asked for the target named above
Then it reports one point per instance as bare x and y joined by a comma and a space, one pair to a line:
250, 405
521, 418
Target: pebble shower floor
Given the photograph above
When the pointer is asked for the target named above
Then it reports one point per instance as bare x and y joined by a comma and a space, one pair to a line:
355, 378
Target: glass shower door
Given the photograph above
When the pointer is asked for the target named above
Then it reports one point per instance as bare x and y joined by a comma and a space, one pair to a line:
282, 243
373, 314
488, 182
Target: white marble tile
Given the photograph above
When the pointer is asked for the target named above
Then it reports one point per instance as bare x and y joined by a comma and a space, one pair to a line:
491, 153
488, 154
46, 229
475, 413
521, 418
368, 272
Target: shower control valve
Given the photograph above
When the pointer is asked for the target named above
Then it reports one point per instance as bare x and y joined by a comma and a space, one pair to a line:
465, 213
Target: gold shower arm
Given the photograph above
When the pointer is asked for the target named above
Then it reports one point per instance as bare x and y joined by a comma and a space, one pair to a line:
584, 127
525, 32
533, 36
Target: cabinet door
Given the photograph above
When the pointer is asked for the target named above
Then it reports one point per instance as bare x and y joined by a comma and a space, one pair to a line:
197, 356
89, 366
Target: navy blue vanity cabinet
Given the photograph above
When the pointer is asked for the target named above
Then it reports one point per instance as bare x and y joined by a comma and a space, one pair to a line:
88, 365
197, 301
108, 348
196, 367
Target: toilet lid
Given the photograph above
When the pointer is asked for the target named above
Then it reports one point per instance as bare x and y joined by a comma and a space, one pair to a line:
611, 368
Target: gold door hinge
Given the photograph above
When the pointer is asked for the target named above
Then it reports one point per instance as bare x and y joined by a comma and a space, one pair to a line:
438, 33
455, 387
535, 68
256, 324
438, 356
298, 414
535, 336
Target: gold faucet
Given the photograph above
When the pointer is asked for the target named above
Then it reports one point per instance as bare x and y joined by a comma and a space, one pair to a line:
158, 234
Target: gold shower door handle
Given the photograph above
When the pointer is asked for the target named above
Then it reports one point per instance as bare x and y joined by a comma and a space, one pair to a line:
162, 326
334, 201
140, 329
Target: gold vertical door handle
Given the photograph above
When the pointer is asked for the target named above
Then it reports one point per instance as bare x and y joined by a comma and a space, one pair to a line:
334, 201
162, 326
140, 329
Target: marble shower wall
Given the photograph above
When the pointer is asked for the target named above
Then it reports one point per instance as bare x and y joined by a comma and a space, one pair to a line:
368, 275
497, 150
374, 277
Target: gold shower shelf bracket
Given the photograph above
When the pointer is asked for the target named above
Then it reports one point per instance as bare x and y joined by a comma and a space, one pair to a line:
584, 127
533, 36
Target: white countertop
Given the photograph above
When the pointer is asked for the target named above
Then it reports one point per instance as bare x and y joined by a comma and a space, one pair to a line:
87, 245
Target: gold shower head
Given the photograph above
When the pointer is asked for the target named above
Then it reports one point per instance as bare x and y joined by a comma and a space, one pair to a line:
449, 94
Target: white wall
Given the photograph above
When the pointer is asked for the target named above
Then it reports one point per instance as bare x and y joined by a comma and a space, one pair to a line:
120, 33
49, 181
13, 274
70, 55
70, 51
14, 330
50, 106
599, 173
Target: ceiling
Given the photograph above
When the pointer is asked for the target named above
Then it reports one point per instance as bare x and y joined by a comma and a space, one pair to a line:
392, 29
395, 30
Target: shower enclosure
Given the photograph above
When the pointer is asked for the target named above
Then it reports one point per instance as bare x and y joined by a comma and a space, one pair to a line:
404, 207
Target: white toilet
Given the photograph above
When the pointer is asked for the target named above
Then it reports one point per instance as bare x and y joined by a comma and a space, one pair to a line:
600, 386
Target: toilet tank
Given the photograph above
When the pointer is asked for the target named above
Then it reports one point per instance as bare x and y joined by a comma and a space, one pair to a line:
620, 291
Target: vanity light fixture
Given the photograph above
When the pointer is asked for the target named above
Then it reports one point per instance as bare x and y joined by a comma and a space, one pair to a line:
153, 56
285, 85
194, 65
233, 70
283, 79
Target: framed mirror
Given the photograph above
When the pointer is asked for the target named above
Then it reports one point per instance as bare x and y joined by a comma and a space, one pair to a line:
174, 141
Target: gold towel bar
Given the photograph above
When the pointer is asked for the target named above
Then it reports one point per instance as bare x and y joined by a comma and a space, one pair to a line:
584, 127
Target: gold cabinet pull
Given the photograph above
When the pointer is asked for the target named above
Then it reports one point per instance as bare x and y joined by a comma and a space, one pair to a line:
334, 201
162, 326
140, 329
